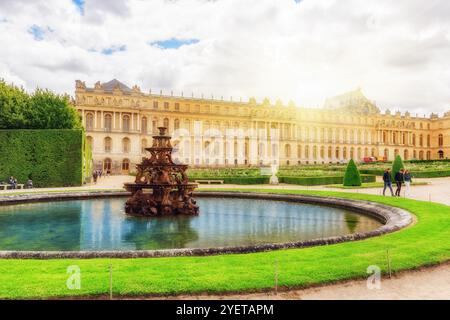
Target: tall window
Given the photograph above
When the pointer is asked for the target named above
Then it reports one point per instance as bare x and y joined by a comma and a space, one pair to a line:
89, 121
144, 125
166, 124
177, 106
155, 104
107, 165
125, 145
440, 140
166, 105
108, 122
421, 140
125, 165
126, 123
108, 144
89, 142
287, 150
176, 124
143, 145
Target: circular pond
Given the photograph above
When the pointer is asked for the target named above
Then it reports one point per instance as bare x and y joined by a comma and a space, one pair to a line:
101, 225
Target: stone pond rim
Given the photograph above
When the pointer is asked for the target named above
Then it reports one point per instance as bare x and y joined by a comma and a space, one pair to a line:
393, 218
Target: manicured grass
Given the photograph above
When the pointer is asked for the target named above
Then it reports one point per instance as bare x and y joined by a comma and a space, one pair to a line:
425, 243
370, 185
61, 190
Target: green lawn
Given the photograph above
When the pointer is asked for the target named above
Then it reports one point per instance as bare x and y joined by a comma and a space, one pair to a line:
371, 185
425, 243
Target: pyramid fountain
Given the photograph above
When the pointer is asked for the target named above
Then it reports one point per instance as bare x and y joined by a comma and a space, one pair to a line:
161, 187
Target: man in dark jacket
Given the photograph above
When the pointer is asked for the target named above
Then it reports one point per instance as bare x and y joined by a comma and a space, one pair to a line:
398, 181
387, 181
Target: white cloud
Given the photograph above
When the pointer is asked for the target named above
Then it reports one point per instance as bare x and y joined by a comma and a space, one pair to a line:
397, 51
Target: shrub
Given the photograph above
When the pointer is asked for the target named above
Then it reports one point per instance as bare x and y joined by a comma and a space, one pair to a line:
315, 181
236, 180
396, 166
352, 176
51, 158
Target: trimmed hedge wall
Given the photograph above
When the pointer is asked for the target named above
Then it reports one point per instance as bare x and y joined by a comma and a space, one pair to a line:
414, 174
236, 180
52, 158
315, 181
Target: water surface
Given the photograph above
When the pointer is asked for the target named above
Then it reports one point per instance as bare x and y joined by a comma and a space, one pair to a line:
101, 224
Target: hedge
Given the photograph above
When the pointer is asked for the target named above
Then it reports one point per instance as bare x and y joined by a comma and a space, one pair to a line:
51, 158
236, 180
315, 181
414, 174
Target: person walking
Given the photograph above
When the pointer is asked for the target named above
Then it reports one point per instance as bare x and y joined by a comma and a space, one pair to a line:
398, 181
408, 180
95, 175
387, 181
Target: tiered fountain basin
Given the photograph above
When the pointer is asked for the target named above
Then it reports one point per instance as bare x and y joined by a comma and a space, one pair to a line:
94, 224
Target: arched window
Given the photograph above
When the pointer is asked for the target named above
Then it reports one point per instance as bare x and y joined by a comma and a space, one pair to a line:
405, 154
330, 152
299, 151
386, 154
428, 140
441, 154
306, 151
287, 150
337, 153
89, 121
108, 144
176, 124
414, 139
421, 140
90, 142
107, 165
440, 140
108, 122
144, 126
420, 155
126, 123
166, 124
125, 166
125, 145
143, 145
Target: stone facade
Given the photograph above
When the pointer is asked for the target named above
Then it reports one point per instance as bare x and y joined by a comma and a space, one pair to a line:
213, 132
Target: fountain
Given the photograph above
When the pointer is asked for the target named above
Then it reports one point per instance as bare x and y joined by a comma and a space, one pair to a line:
161, 186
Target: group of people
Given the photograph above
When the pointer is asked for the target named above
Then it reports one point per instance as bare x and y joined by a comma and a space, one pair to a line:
96, 175
12, 181
402, 176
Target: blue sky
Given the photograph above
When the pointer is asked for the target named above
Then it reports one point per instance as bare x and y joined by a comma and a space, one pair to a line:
80, 5
173, 43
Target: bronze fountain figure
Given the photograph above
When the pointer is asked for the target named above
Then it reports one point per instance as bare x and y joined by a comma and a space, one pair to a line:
161, 187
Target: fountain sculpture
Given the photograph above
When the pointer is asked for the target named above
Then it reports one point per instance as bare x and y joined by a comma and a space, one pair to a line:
161, 186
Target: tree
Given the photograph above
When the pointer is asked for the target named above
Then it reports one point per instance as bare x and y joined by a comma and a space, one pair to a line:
14, 102
396, 166
41, 110
352, 177
52, 111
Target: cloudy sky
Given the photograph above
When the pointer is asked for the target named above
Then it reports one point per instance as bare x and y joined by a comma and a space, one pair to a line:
398, 52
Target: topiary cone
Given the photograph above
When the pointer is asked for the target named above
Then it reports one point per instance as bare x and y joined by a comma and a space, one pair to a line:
397, 165
352, 177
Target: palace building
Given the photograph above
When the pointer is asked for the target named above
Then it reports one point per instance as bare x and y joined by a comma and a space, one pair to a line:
119, 122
